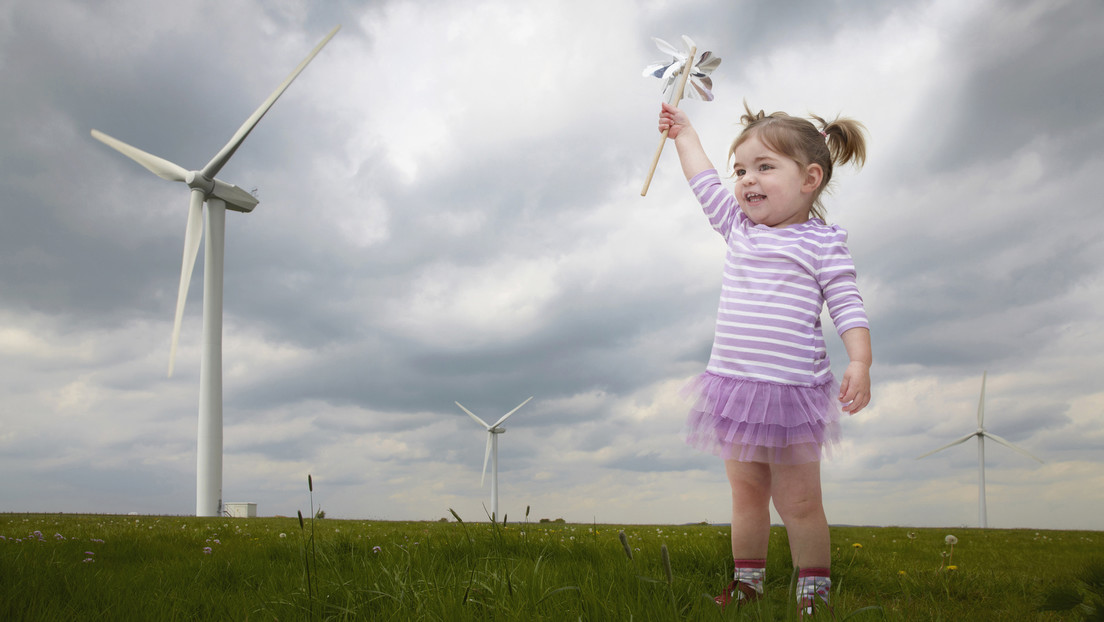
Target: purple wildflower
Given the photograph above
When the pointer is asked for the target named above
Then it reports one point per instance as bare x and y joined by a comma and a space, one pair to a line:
207, 550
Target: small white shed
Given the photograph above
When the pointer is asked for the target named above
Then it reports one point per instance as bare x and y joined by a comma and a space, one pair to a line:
241, 510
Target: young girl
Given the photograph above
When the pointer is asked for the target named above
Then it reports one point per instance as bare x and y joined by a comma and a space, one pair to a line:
768, 403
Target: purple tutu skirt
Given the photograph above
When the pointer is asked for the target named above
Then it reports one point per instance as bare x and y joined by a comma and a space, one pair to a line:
753, 421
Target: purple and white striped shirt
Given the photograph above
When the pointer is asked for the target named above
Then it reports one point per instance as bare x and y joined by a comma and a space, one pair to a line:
775, 283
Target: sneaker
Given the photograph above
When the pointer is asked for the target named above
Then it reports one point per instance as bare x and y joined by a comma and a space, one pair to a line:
737, 592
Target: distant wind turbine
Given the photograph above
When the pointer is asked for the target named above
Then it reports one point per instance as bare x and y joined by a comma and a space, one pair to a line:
219, 196
981, 435
492, 452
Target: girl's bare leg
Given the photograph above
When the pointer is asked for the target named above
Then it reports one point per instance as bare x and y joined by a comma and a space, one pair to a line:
751, 492
795, 489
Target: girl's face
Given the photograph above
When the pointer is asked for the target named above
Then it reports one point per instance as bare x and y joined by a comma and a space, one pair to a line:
772, 189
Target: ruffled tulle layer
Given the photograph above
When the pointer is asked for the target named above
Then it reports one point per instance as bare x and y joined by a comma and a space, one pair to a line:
752, 421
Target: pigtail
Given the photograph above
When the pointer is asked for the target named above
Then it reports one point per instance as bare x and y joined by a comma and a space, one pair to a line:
750, 118
846, 140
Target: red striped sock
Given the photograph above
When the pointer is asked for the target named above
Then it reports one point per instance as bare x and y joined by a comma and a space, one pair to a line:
751, 572
813, 583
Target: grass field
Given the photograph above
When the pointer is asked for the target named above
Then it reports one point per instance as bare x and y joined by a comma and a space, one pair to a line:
97, 567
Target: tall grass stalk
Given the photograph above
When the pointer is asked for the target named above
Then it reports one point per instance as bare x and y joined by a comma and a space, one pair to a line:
313, 559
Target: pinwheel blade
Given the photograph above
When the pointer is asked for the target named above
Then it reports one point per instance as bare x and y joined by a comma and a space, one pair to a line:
671, 93
486, 457
667, 48
192, 236
504, 417
220, 159
472, 415
670, 73
690, 45
707, 63
656, 70
1011, 446
958, 442
158, 166
699, 89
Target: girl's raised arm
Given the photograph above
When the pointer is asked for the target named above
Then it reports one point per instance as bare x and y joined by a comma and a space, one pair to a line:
689, 147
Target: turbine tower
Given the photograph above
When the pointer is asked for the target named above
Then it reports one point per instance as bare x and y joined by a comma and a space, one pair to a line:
492, 452
981, 435
219, 196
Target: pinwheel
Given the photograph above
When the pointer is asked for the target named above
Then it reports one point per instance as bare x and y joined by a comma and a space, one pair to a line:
700, 82
675, 77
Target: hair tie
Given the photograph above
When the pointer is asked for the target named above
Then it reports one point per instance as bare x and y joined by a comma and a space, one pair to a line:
823, 133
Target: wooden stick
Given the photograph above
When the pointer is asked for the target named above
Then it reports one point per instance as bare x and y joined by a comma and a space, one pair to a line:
663, 137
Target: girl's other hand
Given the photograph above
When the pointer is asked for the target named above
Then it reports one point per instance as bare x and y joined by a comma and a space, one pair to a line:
672, 120
855, 387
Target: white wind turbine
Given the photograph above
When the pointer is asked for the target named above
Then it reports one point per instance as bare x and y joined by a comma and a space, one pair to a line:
219, 196
981, 435
492, 452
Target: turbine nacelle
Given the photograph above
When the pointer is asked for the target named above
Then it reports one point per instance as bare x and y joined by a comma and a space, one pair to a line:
235, 198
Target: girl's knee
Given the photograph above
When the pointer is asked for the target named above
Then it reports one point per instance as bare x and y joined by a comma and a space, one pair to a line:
749, 481
796, 489
750, 495
799, 508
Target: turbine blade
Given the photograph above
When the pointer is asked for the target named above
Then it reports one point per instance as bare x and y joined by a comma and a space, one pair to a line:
1011, 446
220, 159
981, 401
472, 415
486, 457
958, 442
497, 423
192, 236
158, 166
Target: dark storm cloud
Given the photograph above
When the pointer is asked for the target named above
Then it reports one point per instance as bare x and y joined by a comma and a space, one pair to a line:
1031, 68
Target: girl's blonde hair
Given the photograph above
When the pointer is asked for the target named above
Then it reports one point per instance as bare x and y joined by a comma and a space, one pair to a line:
840, 141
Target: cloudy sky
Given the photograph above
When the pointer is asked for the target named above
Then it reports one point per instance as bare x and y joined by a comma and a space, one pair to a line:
450, 210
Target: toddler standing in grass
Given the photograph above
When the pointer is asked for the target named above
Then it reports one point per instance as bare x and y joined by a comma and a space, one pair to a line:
768, 403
